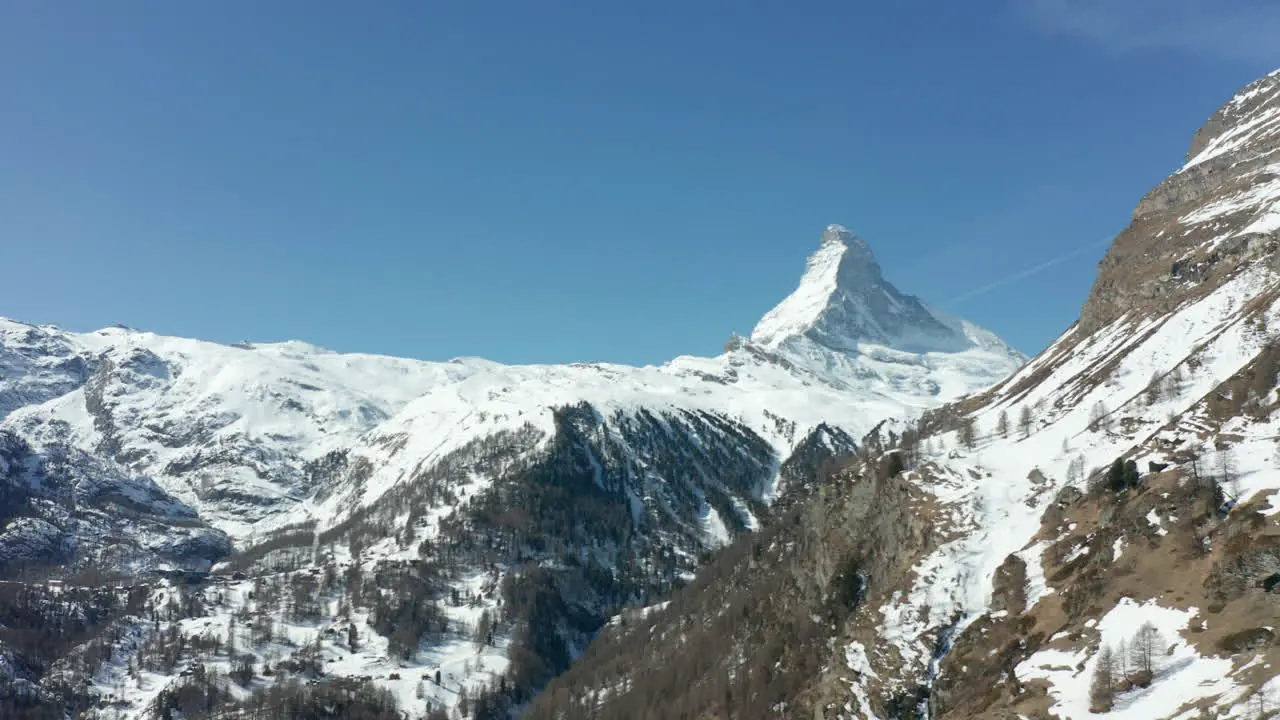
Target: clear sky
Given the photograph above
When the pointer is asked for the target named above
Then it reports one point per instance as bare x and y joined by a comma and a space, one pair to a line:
561, 181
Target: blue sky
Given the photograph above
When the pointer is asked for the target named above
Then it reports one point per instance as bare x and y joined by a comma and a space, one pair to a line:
567, 181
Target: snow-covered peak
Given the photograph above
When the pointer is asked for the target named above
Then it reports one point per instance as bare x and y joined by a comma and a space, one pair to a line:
844, 303
842, 255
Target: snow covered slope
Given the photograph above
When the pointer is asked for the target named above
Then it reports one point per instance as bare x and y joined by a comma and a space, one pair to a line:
224, 428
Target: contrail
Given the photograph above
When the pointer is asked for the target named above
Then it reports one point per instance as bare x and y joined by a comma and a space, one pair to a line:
1024, 273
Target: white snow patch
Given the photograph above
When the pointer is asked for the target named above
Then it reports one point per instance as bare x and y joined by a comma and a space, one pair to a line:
1037, 586
1154, 519
855, 656
714, 529
1182, 674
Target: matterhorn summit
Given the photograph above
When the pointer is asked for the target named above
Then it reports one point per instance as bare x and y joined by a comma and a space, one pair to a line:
846, 321
843, 301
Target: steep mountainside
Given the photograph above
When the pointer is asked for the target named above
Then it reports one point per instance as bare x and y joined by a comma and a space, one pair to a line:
1098, 533
425, 505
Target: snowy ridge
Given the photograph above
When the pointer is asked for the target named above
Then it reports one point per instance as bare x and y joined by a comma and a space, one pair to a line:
1250, 118
230, 429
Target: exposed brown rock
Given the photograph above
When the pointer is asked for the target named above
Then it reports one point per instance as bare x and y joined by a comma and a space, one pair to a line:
1160, 257
1009, 590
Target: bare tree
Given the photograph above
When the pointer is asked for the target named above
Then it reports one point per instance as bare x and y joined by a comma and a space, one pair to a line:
1075, 470
1227, 475
1098, 419
910, 444
1155, 387
1122, 662
1195, 455
1002, 424
1259, 703
1144, 651
1024, 421
484, 630
1173, 382
1102, 690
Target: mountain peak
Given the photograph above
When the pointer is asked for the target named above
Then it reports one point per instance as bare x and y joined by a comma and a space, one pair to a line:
844, 301
855, 257
842, 260
837, 233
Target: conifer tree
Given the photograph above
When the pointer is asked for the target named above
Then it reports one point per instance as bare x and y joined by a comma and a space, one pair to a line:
1115, 476
1102, 690
968, 432
1131, 475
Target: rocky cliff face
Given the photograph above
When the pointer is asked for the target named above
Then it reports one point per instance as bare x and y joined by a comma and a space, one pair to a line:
751, 636
1216, 213
66, 511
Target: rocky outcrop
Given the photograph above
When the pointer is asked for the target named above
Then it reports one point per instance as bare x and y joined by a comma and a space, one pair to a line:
69, 511
1009, 586
1195, 228
815, 456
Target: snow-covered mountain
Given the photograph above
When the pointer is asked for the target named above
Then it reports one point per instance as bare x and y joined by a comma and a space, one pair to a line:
844, 303
588, 486
230, 430
1096, 534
